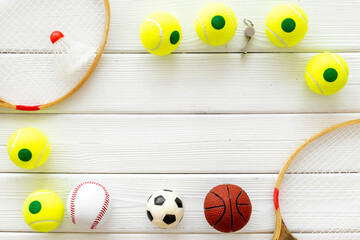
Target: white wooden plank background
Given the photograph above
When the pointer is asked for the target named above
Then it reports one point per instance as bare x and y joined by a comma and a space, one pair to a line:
66, 236
144, 117
208, 83
93, 143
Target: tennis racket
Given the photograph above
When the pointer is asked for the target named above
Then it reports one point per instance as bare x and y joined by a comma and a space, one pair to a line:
318, 189
29, 69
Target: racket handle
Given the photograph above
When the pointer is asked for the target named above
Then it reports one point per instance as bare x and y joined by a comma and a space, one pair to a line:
285, 234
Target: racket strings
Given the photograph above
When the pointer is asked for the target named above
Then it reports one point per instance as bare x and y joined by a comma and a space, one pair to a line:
27, 66
320, 192
313, 161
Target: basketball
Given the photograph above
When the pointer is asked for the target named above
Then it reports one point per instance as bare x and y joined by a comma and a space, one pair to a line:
227, 208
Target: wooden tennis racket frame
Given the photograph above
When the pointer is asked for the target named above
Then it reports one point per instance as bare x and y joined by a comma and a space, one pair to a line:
281, 231
6, 104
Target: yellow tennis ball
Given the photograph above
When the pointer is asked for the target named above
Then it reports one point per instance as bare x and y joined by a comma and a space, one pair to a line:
286, 25
43, 210
160, 33
28, 148
326, 73
216, 24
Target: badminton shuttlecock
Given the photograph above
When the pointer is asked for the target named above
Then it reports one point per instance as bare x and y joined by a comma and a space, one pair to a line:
70, 56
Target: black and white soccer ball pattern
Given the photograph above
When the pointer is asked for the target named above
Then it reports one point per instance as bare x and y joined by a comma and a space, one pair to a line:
165, 208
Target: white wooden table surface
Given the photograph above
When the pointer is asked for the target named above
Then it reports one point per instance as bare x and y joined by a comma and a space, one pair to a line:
198, 118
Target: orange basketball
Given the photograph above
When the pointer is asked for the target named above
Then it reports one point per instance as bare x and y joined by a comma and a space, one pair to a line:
227, 208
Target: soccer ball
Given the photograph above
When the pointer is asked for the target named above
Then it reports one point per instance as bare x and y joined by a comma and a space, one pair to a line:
165, 208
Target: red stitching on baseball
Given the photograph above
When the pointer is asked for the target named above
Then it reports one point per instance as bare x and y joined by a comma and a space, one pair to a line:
104, 207
72, 201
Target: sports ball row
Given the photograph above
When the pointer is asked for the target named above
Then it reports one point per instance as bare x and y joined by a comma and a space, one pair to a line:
227, 208
216, 24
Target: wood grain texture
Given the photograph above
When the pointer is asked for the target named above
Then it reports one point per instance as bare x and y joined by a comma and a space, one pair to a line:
208, 83
102, 236
261, 99
114, 236
80, 143
332, 25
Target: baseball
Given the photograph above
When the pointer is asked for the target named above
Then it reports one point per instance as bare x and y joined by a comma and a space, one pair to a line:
88, 204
